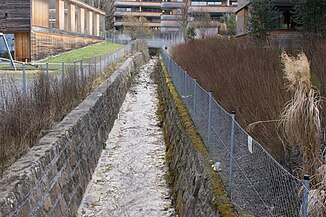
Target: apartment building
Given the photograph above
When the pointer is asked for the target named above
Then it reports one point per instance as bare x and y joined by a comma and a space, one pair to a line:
148, 9
47, 27
165, 15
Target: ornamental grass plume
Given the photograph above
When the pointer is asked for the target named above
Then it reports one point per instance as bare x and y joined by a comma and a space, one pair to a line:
300, 118
296, 71
301, 124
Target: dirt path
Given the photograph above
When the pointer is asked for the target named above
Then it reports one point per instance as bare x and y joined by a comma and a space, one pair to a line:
130, 177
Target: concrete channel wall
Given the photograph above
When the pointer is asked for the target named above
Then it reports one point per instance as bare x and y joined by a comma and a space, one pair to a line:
52, 177
197, 189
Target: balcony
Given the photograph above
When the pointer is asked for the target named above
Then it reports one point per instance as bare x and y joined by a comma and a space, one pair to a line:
148, 24
169, 17
137, 13
137, 4
170, 5
211, 9
169, 30
170, 24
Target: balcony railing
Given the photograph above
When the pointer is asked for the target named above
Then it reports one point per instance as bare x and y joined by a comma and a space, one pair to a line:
137, 4
127, 9
212, 3
137, 13
170, 24
169, 17
211, 9
148, 24
167, 5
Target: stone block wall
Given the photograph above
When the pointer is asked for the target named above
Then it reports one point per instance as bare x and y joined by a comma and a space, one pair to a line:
51, 178
197, 188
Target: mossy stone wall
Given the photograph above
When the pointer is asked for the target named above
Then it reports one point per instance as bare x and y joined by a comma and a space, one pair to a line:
51, 178
197, 188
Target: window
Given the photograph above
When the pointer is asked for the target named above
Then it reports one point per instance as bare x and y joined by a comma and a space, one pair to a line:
198, 3
155, 20
151, 10
214, 3
126, 9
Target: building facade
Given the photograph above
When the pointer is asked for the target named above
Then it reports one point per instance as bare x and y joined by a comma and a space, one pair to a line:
167, 15
46, 27
284, 16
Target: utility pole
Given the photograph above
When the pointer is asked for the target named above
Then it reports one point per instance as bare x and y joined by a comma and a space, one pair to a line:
11, 59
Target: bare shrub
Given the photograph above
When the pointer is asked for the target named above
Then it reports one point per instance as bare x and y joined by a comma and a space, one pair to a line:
26, 118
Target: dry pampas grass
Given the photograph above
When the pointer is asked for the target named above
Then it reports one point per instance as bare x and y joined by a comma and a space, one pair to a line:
300, 118
300, 121
296, 71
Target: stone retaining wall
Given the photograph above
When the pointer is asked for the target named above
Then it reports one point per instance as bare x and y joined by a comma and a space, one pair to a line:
197, 188
51, 178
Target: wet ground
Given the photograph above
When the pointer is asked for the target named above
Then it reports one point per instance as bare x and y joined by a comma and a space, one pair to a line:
130, 177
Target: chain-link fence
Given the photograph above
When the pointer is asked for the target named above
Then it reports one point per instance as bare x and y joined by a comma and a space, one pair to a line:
156, 41
257, 183
33, 101
23, 79
82, 68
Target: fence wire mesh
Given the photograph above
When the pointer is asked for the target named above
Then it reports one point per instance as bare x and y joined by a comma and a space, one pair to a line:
256, 182
58, 71
23, 80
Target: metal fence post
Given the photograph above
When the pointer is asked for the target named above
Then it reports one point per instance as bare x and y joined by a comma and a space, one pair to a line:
105, 60
89, 67
100, 64
95, 64
47, 71
305, 196
74, 68
81, 70
231, 152
184, 82
62, 71
170, 67
209, 118
178, 83
194, 105
24, 79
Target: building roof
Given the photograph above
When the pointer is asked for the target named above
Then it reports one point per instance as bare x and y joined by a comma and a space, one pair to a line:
242, 7
278, 3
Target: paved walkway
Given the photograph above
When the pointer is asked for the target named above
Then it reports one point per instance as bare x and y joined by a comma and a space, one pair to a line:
130, 177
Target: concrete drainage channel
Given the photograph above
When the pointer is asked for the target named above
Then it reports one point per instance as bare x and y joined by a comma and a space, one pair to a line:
130, 177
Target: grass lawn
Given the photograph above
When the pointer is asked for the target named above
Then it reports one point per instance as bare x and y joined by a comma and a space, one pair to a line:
85, 53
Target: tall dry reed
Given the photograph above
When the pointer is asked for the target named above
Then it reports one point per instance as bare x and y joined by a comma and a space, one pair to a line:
243, 78
249, 80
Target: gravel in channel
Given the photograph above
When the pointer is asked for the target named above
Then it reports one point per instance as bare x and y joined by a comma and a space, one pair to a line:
130, 177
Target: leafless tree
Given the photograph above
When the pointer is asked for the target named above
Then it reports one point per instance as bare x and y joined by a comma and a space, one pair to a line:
183, 17
136, 27
203, 22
